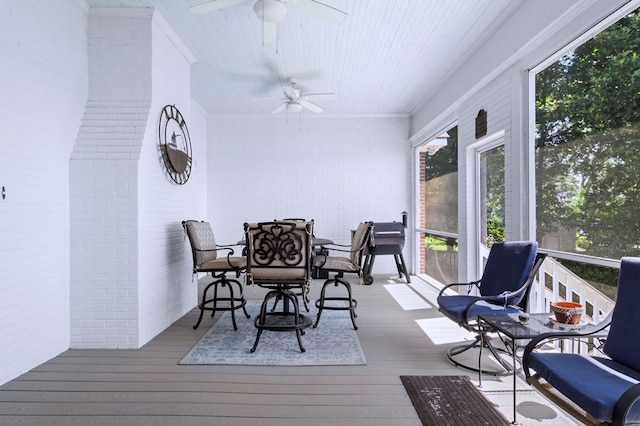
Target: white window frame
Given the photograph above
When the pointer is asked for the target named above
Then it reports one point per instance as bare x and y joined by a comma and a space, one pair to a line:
473, 217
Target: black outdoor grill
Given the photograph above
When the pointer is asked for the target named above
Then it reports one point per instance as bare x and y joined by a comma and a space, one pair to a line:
387, 238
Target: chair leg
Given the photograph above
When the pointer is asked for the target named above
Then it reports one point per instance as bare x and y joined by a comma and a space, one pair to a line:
351, 302
231, 299
261, 319
230, 302
241, 298
320, 302
202, 304
281, 321
296, 309
255, 344
459, 349
304, 292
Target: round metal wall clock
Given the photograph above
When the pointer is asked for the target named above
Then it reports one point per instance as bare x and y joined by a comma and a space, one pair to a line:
175, 144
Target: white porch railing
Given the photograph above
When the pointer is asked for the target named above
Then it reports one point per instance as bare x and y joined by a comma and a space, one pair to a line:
555, 282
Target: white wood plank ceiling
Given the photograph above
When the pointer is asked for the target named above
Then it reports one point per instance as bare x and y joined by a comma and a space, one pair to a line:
386, 57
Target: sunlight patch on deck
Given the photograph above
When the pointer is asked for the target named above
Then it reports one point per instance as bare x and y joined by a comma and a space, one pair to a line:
406, 298
443, 331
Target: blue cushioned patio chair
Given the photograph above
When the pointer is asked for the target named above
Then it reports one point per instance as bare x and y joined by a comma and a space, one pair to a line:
504, 288
596, 389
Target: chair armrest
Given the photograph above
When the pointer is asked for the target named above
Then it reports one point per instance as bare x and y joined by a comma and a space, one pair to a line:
595, 330
229, 245
321, 259
628, 398
338, 247
344, 248
503, 297
469, 284
218, 248
229, 253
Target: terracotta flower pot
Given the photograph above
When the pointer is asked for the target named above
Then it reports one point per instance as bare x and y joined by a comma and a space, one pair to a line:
567, 312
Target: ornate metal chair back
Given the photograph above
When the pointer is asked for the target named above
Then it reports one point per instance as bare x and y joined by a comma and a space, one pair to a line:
278, 253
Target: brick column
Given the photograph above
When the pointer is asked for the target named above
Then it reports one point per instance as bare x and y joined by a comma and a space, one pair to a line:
104, 175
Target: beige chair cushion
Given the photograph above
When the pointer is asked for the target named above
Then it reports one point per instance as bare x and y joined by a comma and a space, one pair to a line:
224, 264
358, 240
203, 242
343, 263
336, 263
278, 274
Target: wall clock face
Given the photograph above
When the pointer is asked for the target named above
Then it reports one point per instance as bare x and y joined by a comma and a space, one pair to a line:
175, 144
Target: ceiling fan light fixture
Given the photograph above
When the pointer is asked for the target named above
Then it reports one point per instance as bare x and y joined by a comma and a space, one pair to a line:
270, 10
294, 107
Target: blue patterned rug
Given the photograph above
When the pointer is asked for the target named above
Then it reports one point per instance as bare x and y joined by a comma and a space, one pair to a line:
334, 342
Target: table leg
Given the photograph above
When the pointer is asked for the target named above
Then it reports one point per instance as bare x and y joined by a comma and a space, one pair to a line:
480, 354
513, 357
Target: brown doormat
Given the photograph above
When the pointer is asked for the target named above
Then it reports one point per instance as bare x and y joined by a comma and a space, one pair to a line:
450, 401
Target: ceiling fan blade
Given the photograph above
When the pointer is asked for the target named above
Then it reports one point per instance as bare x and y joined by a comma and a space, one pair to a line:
311, 106
212, 5
280, 108
320, 95
322, 11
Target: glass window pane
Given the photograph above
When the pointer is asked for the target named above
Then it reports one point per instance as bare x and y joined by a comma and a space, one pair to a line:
439, 206
492, 197
441, 257
588, 146
440, 203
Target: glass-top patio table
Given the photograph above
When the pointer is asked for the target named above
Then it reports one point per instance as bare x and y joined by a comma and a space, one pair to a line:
516, 330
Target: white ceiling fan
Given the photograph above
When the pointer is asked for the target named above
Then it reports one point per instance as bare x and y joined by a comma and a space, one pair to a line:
271, 12
295, 101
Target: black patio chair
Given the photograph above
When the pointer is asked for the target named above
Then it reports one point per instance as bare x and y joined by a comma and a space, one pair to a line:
504, 287
218, 261
351, 262
279, 259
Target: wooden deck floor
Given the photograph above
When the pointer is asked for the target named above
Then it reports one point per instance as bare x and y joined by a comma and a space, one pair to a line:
148, 387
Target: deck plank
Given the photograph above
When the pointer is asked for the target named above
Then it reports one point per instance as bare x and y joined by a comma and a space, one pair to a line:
147, 386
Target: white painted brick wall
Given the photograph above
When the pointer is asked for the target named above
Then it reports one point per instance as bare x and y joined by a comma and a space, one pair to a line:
43, 90
130, 277
120, 51
337, 170
104, 182
104, 260
165, 287
495, 99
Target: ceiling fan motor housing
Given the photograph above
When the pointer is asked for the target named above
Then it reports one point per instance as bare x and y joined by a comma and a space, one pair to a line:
294, 106
270, 10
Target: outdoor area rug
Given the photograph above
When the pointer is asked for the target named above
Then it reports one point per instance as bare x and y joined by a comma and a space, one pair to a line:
334, 342
450, 401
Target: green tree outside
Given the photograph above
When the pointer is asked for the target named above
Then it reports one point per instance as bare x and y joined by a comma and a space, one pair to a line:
588, 145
